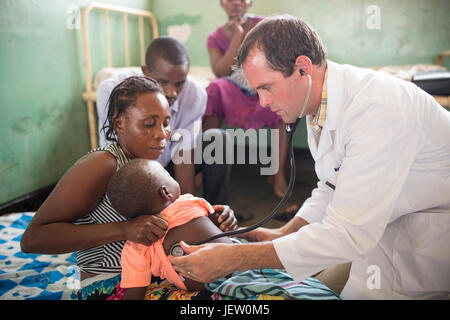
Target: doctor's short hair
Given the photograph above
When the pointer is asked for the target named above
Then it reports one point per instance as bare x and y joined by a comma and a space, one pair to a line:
282, 39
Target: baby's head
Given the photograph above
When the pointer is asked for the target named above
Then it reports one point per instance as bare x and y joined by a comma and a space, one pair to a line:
142, 187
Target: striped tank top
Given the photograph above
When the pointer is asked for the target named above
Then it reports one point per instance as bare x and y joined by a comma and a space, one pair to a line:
105, 258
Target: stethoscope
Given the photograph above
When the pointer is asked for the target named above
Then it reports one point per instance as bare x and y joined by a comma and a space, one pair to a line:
176, 249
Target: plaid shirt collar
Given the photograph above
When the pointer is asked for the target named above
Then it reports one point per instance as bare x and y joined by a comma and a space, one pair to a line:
318, 120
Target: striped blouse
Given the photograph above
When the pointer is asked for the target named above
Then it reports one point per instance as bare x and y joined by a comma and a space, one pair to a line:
104, 258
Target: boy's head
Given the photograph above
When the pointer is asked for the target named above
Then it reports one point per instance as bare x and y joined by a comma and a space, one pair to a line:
167, 61
142, 187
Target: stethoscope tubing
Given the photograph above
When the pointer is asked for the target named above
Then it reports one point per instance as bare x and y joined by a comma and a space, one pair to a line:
290, 128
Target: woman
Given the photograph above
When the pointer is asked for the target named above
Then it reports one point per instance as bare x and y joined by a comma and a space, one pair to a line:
230, 97
77, 215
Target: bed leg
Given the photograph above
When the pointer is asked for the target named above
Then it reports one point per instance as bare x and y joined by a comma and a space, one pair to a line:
92, 125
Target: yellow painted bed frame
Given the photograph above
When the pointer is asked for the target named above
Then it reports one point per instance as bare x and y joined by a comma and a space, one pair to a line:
90, 95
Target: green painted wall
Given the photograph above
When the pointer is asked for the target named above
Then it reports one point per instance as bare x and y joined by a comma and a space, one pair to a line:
410, 31
43, 120
407, 31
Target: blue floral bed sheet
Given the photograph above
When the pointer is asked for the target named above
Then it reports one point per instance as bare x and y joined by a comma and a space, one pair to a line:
25, 276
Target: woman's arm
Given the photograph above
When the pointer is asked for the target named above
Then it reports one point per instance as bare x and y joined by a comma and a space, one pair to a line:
52, 229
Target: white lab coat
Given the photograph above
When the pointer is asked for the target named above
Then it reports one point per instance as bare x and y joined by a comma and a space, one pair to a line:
385, 146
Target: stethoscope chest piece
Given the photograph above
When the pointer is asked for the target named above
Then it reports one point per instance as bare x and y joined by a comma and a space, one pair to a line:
176, 250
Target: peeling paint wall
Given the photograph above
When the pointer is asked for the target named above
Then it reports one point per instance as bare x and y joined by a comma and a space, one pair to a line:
43, 119
359, 32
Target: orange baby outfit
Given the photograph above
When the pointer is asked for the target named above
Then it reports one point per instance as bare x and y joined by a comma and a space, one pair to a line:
140, 262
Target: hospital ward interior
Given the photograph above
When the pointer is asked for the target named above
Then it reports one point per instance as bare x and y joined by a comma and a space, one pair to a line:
56, 54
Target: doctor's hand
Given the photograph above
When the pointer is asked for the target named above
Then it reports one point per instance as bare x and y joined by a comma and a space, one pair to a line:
204, 263
261, 234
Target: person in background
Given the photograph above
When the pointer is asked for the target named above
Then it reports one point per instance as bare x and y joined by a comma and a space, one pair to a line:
78, 216
230, 98
167, 61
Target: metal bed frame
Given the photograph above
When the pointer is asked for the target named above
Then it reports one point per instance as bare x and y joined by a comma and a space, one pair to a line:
90, 95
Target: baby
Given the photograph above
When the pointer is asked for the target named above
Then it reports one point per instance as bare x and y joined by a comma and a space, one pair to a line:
145, 187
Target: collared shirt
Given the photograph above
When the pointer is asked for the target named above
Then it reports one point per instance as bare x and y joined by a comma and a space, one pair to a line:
186, 114
318, 120
390, 209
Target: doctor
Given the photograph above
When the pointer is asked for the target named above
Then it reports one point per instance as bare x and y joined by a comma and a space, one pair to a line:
382, 155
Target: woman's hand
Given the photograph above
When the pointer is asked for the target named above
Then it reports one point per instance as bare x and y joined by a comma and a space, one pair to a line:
235, 26
226, 219
145, 229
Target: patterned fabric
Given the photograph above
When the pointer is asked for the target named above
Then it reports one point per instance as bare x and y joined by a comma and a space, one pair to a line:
251, 284
107, 288
26, 276
258, 284
56, 277
318, 120
167, 291
105, 258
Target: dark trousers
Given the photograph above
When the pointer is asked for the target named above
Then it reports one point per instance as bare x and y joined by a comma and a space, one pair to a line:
216, 176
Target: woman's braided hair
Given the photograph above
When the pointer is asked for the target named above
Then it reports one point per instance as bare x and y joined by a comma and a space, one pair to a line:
123, 96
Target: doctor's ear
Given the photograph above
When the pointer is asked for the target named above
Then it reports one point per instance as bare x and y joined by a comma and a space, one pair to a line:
304, 65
